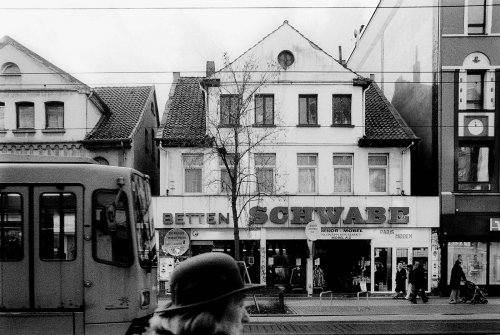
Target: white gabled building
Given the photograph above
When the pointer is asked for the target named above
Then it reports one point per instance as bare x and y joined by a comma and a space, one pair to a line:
332, 154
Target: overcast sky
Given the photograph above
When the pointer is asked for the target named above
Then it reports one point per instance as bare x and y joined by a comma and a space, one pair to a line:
145, 41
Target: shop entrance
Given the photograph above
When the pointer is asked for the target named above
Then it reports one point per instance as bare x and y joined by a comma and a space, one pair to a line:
344, 264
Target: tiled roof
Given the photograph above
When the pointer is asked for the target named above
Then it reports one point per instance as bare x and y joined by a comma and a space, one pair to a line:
383, 122
126, 105
184, 117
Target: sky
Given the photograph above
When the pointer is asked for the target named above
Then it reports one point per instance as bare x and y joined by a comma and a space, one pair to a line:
132, 42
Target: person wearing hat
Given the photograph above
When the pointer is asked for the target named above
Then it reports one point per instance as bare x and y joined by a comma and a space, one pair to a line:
457, 275
207, 298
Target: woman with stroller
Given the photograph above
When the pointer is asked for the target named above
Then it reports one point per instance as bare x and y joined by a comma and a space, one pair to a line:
457, 275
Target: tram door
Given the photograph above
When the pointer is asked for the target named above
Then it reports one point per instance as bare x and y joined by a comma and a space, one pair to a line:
41, 250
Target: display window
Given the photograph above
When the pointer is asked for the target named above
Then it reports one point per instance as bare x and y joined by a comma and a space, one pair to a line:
473, 256
494, 263
286, 264
383, 269
422, 256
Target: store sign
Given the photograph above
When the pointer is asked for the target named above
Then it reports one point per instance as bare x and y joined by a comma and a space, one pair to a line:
195, 219
333, 215
176, 242
313, 231
494, 224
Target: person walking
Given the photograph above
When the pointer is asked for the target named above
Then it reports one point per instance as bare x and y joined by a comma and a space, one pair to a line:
419, 284
409, 289
400, 282
207, 298
457, 275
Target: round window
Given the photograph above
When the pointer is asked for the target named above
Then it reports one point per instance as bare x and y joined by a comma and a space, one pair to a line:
286, 59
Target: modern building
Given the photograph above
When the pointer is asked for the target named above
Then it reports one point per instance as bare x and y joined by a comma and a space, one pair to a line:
46, 111
438, 62
326, 201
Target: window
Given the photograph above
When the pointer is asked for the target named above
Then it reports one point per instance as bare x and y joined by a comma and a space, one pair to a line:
2, 115
229, 109
264, 109
286, 59
308, 109
58, 226
54, 115
10, 69
111, 226
342, 173
25, 115
264, 172
152, 108
101, 160
494, 263
377, 170
475, 166
307, 164
193, 168
474, 259
476, 16
146, 140
341, 109
474, 90
11, 227
225, 180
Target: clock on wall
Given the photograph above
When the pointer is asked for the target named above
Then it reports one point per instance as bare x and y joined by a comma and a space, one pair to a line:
476, 125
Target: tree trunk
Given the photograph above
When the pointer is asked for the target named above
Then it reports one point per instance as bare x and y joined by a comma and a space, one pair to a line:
236, 229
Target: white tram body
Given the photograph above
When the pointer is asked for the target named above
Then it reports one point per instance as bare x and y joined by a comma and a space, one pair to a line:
77, 253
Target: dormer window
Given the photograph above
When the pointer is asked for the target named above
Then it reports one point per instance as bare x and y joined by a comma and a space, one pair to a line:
11, 69
286, 59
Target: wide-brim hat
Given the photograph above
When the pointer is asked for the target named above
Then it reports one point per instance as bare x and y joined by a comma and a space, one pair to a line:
203, 280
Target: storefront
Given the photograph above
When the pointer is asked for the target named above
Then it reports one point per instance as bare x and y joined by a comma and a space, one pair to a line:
476, 239
358, 238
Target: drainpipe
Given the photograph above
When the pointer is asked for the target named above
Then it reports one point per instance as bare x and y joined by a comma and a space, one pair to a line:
403, 153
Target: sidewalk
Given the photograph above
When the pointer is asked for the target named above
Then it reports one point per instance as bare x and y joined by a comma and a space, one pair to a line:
379, 309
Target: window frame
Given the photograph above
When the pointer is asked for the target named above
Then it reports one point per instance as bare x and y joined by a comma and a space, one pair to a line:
492, 182
223, 171
24, 104
49, 104
308, 114
307, 167
265, 167
20, 228
379, 167
186, 167
481, 101
263, 97
482, 25
2, 115
238, 99
341, 112
338, 166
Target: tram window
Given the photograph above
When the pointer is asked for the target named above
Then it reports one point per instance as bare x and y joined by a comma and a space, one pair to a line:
144, 221
58, 226
11, 227
112, 235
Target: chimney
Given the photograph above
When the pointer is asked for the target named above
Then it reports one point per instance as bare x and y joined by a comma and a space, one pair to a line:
340, 55
372, 76
176, 76
210, 68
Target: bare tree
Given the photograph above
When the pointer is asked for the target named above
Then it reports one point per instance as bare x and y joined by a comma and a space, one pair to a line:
238, 128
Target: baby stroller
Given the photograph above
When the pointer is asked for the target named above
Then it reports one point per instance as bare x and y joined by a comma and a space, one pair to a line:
474, 294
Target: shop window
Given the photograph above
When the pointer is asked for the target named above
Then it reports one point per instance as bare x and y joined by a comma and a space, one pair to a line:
25, 115
54, 115
383, 269
476, 17
494, 263
2, 115
58, 226
286, 264
475, 166
341, 109
473, 257
264, 109
377, 170
265, 165
307, 165
475, 90
193, 171
11, 227
421, 255
230, 105
342, 173
308, 110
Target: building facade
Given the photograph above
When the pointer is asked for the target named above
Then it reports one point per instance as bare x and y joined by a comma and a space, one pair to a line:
327, 201
454, 71
46, 111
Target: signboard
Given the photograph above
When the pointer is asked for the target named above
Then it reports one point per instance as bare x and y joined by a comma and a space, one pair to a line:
495, 224
313, 231
176, 242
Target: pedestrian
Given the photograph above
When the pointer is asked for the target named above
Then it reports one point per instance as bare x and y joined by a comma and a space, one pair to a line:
457, 275
409, 290
419, 284
400, 282
207, 298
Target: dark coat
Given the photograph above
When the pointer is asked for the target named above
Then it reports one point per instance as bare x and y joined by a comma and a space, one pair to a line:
410, 275
400, 280
457, 274
419, 277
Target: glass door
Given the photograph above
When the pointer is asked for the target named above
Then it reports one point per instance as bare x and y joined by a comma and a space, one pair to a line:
383, 269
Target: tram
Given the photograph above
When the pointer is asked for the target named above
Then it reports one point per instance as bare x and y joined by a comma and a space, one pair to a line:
77, 247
